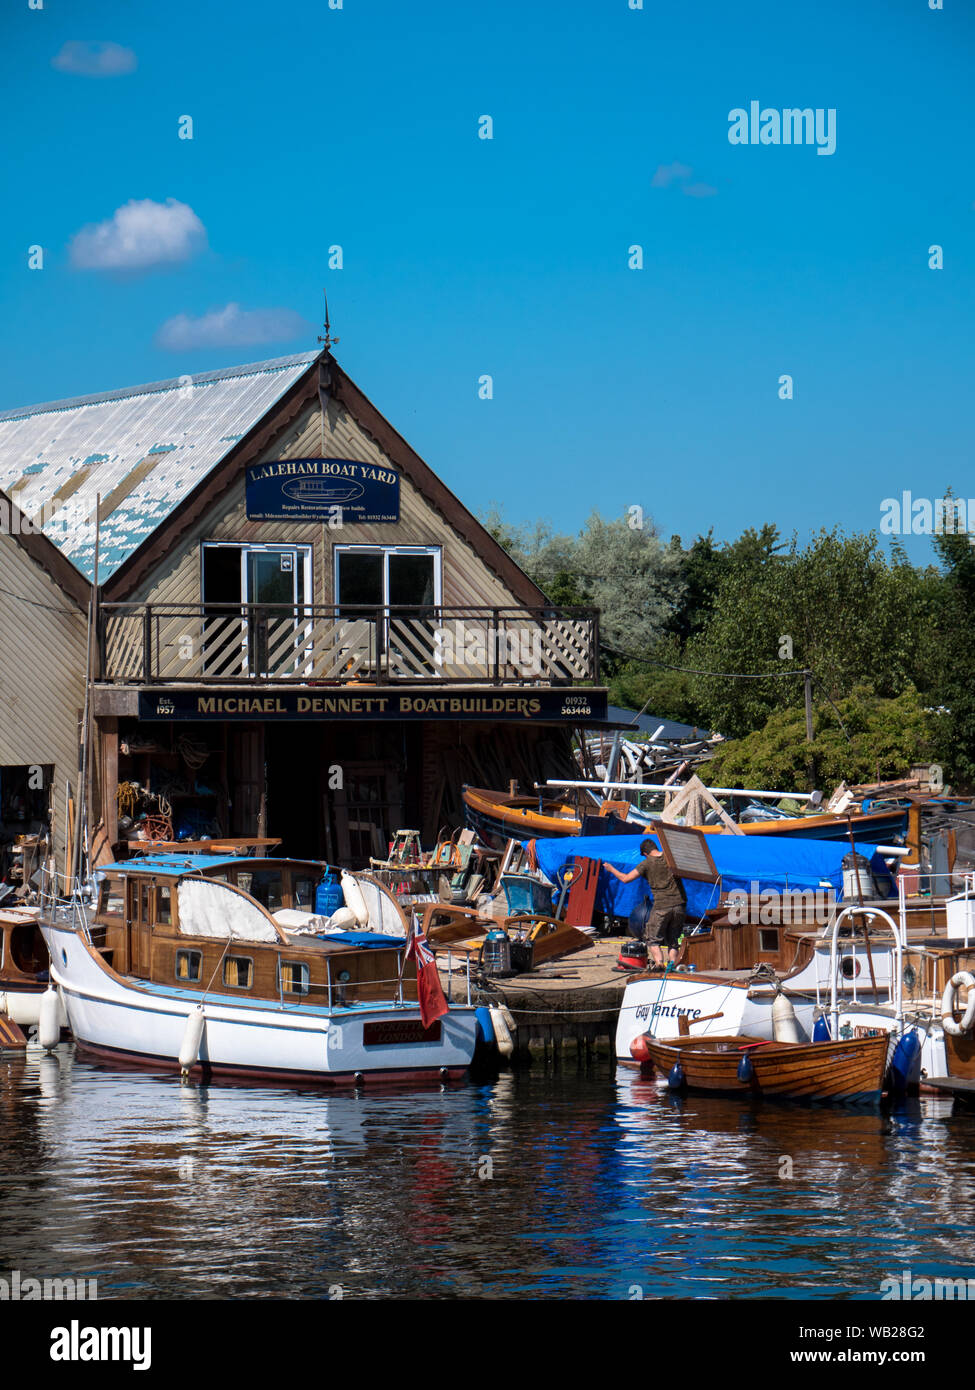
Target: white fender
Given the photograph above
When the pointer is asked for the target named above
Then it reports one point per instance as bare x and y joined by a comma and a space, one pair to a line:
342, 919
502, 1035
784, 1025
49, 1021
949, 1001
352, 894
189, 1051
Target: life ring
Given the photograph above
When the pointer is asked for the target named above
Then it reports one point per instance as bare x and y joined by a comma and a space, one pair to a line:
949, 1000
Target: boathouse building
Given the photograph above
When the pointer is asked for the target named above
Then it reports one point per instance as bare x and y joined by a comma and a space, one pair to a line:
299, 630
43, 637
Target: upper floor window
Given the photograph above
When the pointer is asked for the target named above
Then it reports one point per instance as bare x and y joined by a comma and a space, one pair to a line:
400, 576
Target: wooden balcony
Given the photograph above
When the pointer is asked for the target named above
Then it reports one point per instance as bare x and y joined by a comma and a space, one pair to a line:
221, 644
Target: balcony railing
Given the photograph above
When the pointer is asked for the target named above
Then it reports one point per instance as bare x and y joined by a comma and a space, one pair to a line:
221, 644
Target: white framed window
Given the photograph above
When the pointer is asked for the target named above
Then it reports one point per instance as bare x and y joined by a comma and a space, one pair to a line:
387, 576
237, 573
261, 582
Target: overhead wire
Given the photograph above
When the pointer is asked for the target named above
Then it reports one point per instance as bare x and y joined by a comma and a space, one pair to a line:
35, 603
691, 671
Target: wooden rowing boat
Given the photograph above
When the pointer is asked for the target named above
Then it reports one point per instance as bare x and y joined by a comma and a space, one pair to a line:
733, 1065
498, 817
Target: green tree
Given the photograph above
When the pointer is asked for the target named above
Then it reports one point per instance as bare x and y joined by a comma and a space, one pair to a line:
883, 737
838, 607
706, 566
952, 658
624, 571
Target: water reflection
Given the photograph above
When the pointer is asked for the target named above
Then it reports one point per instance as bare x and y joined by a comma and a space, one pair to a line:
574, 1183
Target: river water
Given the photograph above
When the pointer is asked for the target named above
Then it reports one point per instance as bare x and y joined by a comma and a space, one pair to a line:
572, 1183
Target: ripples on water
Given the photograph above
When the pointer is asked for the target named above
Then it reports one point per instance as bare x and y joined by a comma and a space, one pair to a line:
601, 1187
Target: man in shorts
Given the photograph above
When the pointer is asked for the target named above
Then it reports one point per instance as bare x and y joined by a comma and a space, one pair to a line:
665, 924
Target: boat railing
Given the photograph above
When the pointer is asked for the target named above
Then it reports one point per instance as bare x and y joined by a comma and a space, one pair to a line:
959, 907
335, 990
67, 909
870, 915
337, 993
959, 919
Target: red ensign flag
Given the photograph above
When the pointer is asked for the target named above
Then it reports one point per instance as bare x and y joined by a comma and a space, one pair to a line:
433, 1002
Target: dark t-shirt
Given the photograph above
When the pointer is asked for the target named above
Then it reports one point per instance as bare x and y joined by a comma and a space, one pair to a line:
667, 890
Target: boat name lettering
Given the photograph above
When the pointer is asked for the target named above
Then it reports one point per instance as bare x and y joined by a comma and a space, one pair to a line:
399, 1031
666, 1011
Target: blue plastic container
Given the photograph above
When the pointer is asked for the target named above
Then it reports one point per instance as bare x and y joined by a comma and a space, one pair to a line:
328, 894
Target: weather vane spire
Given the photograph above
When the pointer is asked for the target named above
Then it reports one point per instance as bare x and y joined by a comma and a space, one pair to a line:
327, 340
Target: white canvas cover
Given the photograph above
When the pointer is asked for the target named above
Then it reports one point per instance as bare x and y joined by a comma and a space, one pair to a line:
298, 923
385, 915
207, 908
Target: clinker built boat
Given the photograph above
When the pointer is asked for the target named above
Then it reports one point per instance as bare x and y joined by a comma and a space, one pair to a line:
846, 1070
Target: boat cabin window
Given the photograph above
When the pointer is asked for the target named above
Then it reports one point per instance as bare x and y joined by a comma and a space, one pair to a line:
238, 972
164, 905
768, 939
295, 978
27, 950
111, 897
267, 887
188, 965
303, 893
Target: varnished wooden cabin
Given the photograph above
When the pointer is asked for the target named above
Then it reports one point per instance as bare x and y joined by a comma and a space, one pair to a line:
137, 931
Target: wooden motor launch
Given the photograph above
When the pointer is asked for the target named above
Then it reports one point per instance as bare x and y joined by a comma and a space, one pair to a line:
219, 967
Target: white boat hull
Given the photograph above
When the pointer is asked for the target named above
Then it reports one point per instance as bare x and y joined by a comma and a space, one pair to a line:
132, 1020
654, 1005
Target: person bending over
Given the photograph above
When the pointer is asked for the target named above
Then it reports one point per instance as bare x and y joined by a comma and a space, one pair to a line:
665, 924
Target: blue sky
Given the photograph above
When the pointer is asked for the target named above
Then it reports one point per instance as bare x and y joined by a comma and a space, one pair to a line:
358, 127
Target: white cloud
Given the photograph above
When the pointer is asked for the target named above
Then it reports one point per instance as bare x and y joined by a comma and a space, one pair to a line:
231, 326
138, 236
93, 59
667, 173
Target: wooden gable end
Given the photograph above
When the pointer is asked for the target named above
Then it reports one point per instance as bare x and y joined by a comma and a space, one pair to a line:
476, 572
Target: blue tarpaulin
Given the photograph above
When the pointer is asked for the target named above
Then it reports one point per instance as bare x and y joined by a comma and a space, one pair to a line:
364, 938
752, 863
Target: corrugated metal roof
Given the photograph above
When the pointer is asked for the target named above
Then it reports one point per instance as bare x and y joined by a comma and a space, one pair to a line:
88, 446
670, 729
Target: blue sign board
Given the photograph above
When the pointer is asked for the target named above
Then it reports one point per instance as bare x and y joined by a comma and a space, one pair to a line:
325, 490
